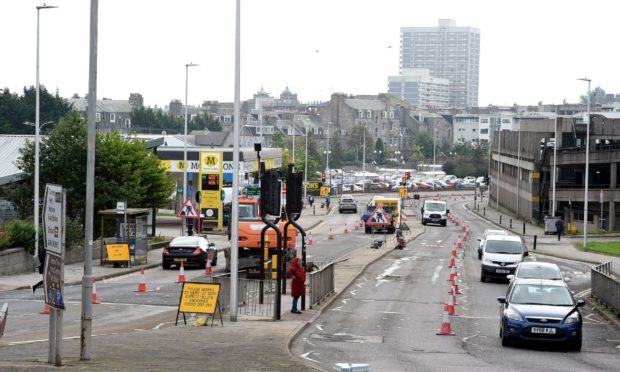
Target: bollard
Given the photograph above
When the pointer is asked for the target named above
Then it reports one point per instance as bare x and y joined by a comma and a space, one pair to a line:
484, 211
314, 210
523, 227
535, 238
511, 223
500, 219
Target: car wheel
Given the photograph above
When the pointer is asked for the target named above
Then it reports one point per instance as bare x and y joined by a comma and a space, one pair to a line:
480, 256
366, 230
443, 224
423, 223
505, 340
165, 266
575, 346
483, 278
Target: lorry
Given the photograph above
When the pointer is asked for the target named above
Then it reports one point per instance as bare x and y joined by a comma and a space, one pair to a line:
250, 227
390, 206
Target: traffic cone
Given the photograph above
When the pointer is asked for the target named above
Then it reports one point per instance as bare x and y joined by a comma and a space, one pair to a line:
462, 196
208, 269
142, 284
449, 307
459, 244
330, 236
452, 263
46, 309
445, 329
346, 231
357, 226
453, 274
310, 241
456, 286
95, 300
453, 294
181, 274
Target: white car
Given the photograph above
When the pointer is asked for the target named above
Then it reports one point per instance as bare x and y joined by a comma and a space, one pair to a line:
484, 236
500, 256
537, 270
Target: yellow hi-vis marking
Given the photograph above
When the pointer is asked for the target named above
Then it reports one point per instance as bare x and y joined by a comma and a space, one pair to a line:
274, 266
266, 252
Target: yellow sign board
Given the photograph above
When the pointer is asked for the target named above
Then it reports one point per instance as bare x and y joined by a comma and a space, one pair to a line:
324, 191
535, 198
313, 185
536, 175
199, 298
117, 252
402, 193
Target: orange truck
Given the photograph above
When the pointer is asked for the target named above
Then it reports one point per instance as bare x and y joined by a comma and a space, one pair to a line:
250, 227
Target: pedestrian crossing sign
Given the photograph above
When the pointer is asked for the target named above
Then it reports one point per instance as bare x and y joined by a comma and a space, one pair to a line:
379, 217
189, 210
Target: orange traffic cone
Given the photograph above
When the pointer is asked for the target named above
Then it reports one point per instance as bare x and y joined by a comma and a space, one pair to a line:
310, 241
449, 307
445, 329
208, 269
46, 309
456, 286
95, 300
452, 263
452, 274
459, 244
453, 294
181, 274
142, 284
330, 236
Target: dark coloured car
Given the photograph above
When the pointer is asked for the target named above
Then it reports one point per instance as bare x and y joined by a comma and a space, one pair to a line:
537, 310
191, 250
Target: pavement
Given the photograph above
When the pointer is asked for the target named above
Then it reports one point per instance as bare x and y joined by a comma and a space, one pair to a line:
243, 345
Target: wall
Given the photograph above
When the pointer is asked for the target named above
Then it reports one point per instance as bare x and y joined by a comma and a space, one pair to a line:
15, 261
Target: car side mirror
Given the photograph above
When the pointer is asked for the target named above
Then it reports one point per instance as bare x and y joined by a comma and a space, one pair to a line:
510, 277
501, 299
422, 210
211, 244
447, 211
580, 303
526, 253
479, 239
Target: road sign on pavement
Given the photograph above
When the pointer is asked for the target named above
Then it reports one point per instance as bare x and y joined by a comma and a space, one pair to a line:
53, 219
379, 217
189, 210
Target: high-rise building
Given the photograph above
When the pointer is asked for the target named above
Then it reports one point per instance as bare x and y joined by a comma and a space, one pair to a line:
421, 90
448, 52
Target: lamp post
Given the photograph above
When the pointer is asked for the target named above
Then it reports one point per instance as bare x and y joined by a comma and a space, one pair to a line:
434, 164
499, 163
293, 138
585, 194
555, 147
518, 170
327, 152
306, 167
36, 139
364, 164
187, 66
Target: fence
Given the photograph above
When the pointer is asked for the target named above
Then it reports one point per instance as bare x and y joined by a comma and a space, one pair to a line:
605, 287
320, 283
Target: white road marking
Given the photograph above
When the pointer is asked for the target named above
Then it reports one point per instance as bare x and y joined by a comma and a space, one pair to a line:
436, 274
319, 327
395, 266
392, 312
465, 339
306, 357
46, 340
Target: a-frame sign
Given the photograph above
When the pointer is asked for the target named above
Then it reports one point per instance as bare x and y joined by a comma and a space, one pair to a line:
379, 217
189, 210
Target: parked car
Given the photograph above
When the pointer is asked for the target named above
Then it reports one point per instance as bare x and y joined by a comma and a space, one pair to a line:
191, 250
536, 310
484, 236
500, 256
537, 270
347, 204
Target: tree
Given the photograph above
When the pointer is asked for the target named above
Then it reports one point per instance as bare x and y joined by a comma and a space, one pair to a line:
467, 160
425, 141
379, 151
597, 96
15, 110
417, 155
204, 121
124, 170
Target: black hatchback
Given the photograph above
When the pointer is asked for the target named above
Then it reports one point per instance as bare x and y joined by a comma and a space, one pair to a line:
190, 250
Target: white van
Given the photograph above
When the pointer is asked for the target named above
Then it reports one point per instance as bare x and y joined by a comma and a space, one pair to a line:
500, 256
435, 211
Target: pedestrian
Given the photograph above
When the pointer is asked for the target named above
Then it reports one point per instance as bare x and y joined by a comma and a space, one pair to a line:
559, 227
311, 200
298, 282
327, 201
41, 257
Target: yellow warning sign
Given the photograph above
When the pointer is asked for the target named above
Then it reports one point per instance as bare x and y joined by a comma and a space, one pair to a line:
199, 298
117, 252
324, 190
402, 193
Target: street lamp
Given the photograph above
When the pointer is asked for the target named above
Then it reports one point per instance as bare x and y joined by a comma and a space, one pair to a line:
364, 164
36, 139
585, 194
306, 167
293, 138
187, 66
327, 170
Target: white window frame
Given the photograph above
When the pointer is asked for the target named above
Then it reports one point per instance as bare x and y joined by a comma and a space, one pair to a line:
360, 113
385, 114
316, 131
112, 117
97, 117
128, 122
391, 114
369, 114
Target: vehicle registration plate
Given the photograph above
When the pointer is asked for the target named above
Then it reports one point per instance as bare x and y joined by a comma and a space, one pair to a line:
180, 260
549, 331
500, 271
435, 219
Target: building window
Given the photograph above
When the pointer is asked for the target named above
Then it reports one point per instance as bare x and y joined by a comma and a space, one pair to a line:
385, 115
391, 114
369, 114
343, 132
289, 131
484, 131
128, 123
98, 117
360, 113
112, 117
316, 130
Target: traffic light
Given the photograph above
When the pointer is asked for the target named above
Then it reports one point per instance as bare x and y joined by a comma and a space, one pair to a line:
322, 176
271, 193
486, 179
404, 182
294, 190
408, 175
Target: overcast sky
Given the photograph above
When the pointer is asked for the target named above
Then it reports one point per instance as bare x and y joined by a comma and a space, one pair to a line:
531, 51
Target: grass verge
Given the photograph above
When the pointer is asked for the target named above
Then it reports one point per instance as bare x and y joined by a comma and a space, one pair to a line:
609, 248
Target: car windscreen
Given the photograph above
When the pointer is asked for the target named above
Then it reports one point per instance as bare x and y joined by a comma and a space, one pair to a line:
187, 241
247, 212
503, 247
434, 207
540, 294
539, 272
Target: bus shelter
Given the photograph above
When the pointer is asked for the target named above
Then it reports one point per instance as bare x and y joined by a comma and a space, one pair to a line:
123, 237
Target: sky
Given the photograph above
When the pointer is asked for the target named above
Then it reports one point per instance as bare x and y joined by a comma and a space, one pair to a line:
531, 51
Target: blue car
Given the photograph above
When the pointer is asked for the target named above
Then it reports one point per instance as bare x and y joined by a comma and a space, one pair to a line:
536, 310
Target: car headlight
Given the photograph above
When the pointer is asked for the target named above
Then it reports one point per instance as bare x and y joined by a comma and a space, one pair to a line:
426, 214
573, 318
513, 315
487, 261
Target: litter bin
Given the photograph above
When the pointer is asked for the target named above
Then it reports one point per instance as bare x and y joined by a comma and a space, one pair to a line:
550, 225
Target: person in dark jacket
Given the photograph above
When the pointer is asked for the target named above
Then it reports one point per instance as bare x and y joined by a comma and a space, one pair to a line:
41, 256
559, 227
298, 287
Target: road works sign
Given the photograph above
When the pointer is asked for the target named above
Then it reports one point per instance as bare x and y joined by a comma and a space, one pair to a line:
200, 298
189, 210
379, 217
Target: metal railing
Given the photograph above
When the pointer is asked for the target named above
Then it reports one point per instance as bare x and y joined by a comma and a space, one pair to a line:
320, 283
605, 287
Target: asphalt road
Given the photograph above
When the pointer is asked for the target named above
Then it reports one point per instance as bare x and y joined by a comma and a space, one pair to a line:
390, 316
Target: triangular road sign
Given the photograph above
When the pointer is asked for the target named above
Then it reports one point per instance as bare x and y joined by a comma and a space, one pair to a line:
189, 210
379, 217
